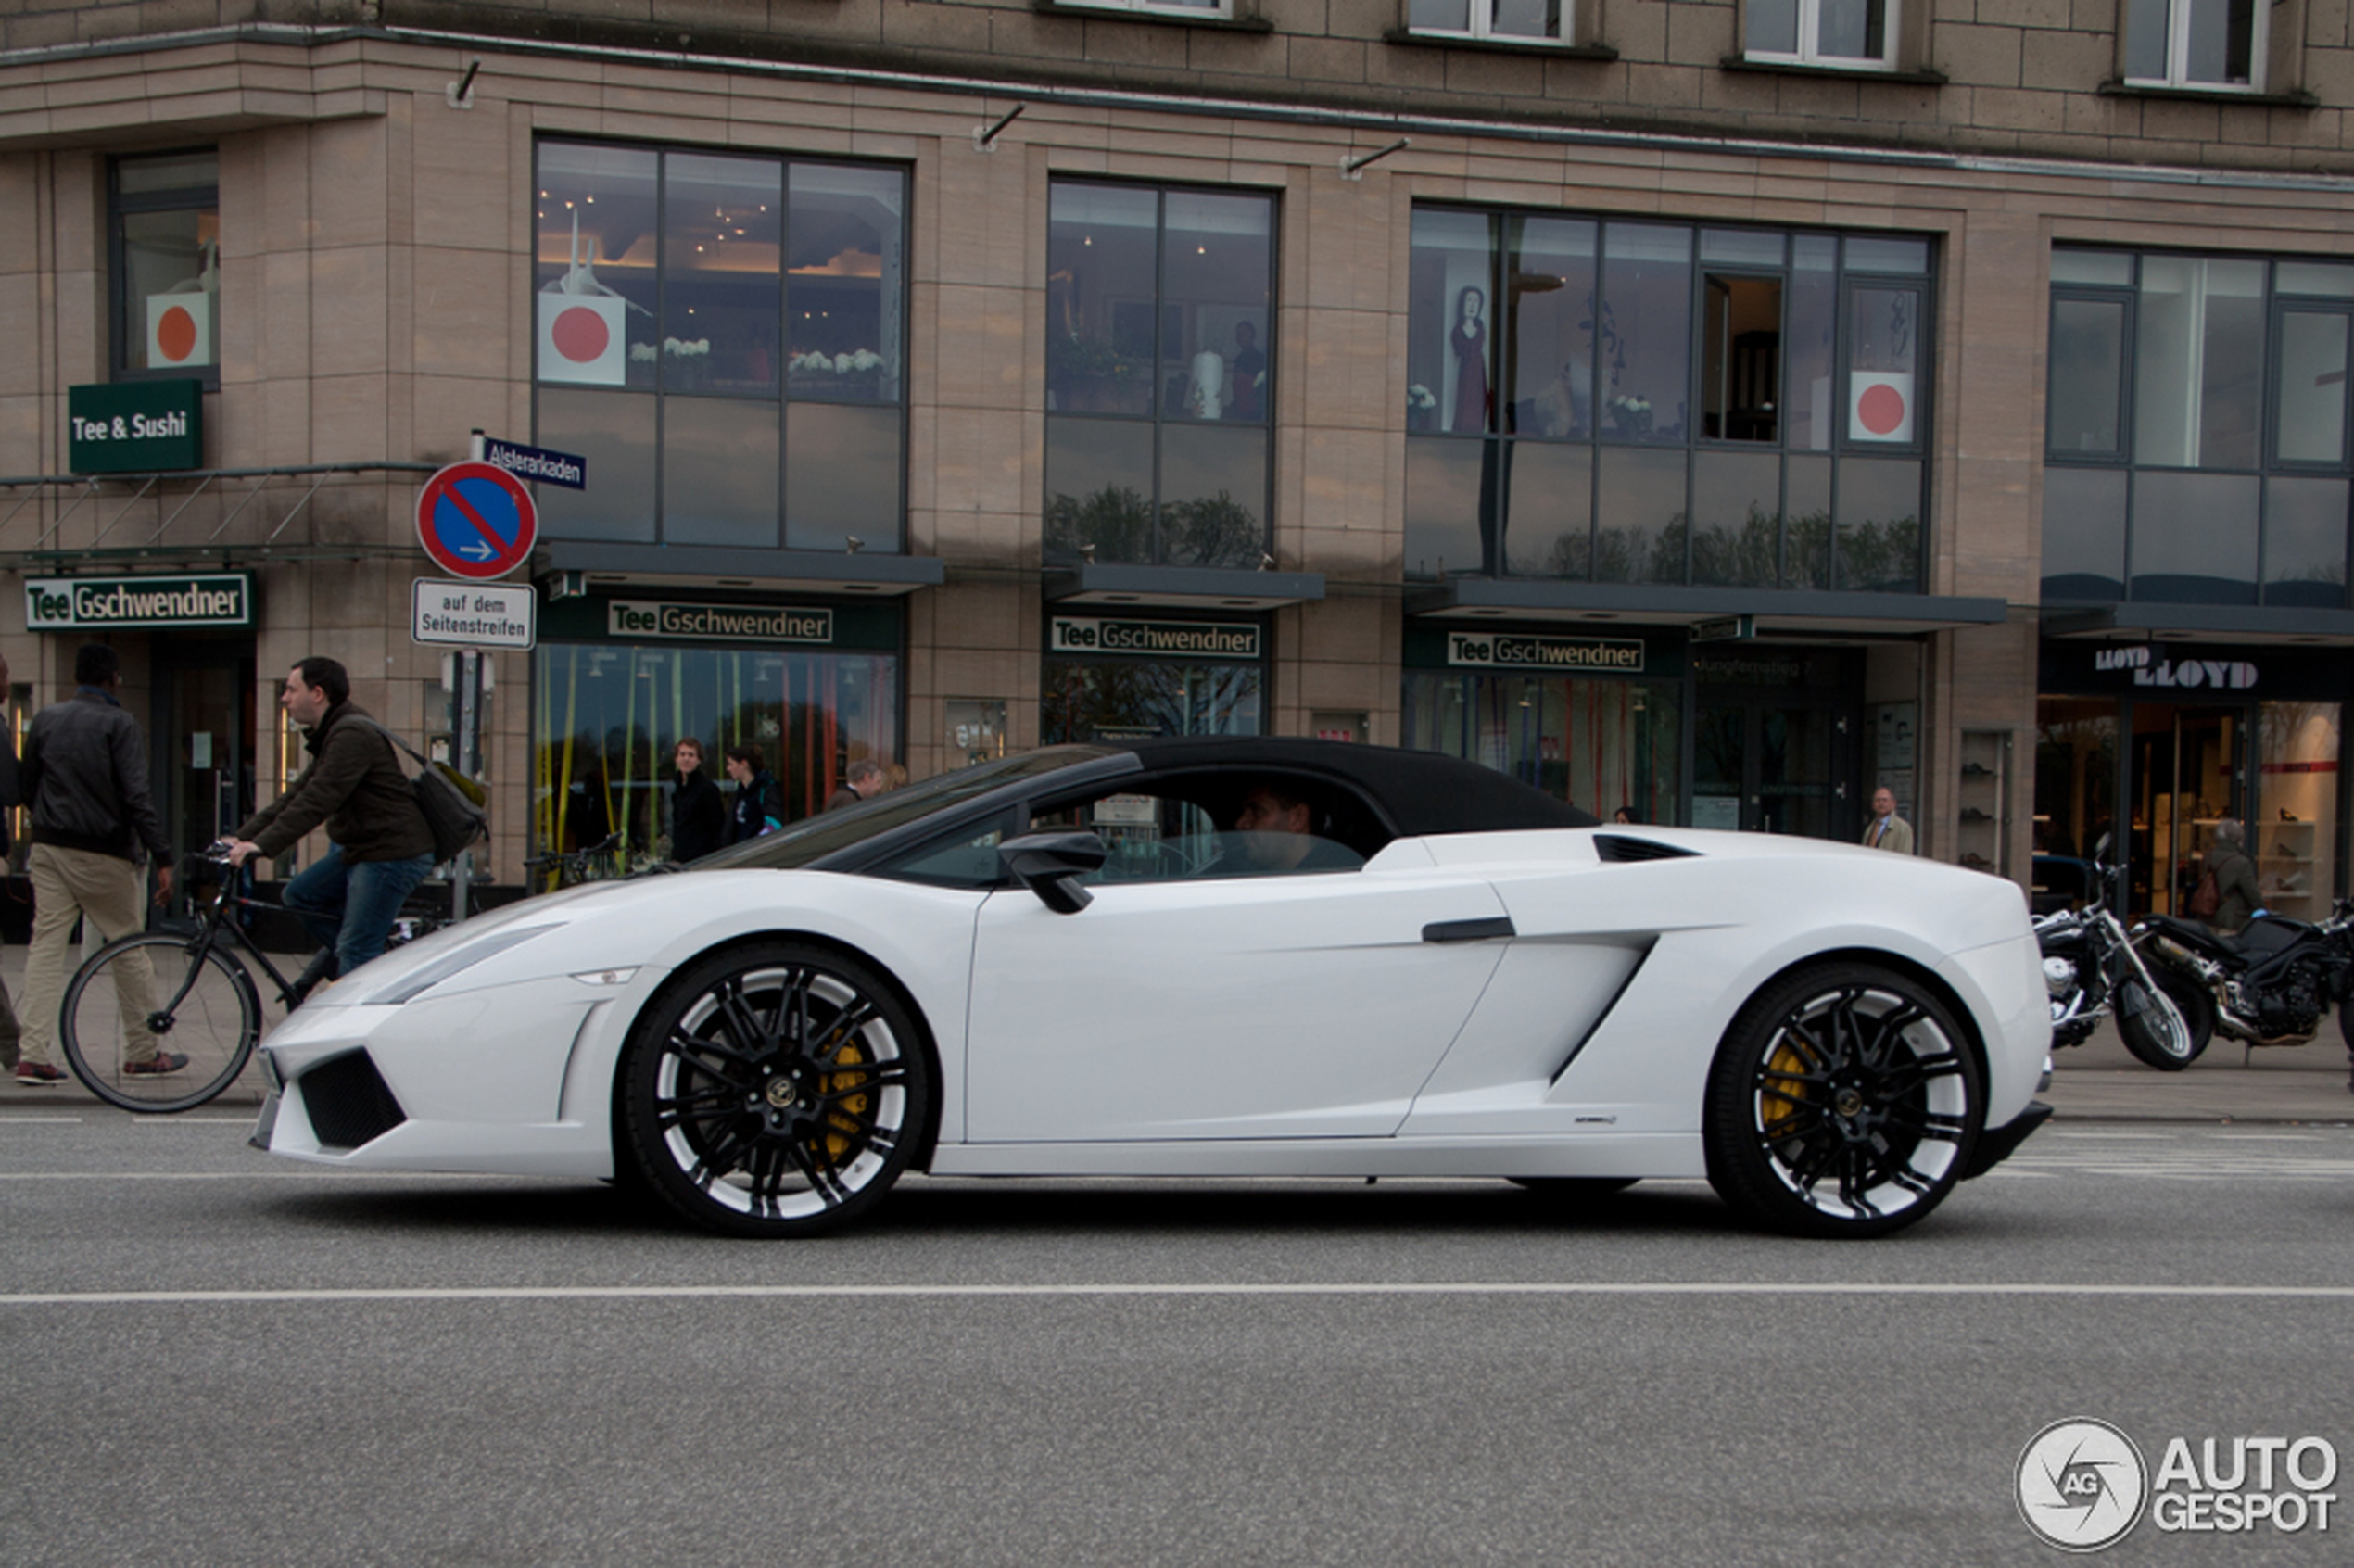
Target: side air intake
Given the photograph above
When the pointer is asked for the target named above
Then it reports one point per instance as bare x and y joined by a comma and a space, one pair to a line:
1618, 850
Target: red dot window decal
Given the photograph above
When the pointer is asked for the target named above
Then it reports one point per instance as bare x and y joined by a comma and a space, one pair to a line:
1880, 409
579, 336
176, 333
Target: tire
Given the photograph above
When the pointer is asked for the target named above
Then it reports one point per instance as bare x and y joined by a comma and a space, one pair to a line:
1573, 1187
195, 1003
2157, 1033
774, 1091
1842, 1104
2192, 1001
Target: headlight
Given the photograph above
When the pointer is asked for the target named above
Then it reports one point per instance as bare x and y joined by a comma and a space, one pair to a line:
456, 961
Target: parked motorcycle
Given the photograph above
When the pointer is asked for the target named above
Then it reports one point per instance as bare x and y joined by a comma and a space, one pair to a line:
2269, 985
2093, 972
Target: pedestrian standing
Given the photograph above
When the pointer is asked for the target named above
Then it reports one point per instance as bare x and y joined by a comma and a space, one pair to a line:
697, 817
865, 778
84, 773
760, 801
379, 845
11, 1036
1888, 831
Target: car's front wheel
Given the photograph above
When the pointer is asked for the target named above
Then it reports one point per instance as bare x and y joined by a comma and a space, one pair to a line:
1842, 1104
775, 1089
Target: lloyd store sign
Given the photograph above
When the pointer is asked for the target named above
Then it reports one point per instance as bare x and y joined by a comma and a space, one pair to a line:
2182, 675
221, 599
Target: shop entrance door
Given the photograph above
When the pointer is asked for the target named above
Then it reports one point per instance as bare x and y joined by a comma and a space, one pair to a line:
2188, 772
203, 741
1772, 765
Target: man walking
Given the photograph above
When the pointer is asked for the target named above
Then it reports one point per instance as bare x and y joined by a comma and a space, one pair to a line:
84, 775
379, 846
1888, 831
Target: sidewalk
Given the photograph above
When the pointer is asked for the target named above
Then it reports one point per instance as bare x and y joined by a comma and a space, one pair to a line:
2098, 1081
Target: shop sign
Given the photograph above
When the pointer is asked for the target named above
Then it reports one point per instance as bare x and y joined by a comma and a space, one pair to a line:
134, 426
1517, 651
1753, 669
223, 598
2192, 674
1163, 640
727, 622
472, 615
1725, 628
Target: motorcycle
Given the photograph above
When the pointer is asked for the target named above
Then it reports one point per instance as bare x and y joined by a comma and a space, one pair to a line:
2093, 972
2269, 985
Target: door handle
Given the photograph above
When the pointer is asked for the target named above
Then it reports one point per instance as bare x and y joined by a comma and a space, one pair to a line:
1468, 930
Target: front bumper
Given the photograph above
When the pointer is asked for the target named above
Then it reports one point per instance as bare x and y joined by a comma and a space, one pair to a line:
1996, 1144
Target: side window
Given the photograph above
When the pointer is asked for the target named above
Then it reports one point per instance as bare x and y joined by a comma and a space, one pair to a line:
967, 858
1204, 830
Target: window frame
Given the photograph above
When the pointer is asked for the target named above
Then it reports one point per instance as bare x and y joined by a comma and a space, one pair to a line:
783, 398
2178, 29
118, 312
1809, 54
1163, 10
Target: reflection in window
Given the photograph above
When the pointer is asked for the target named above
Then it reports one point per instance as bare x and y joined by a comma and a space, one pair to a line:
1598, 744
1159, 380
607, 717
1599, 459
1125, 698
167, 264
2199, 505
716, 300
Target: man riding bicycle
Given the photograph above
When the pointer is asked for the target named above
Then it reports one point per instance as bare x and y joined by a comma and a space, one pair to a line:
379, 845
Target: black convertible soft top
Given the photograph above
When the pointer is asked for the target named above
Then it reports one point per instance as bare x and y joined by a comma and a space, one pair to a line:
1419, 792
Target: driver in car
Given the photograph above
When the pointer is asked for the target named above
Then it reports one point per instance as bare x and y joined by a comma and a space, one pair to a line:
1274, 832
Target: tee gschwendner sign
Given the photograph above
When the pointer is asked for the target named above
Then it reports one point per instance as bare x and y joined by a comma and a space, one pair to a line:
473, 614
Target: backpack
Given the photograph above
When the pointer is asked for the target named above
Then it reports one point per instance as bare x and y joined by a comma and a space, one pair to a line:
452, 802
2207, 898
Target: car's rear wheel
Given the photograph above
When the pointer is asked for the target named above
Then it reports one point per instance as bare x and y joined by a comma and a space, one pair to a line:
774, 1090
1842, 1104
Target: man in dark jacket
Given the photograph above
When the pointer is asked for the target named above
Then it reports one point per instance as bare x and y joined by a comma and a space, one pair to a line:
84, 773
379, 846
697, 817
2235, 879
11, 795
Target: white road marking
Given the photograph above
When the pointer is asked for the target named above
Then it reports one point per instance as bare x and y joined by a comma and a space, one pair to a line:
1334, 1288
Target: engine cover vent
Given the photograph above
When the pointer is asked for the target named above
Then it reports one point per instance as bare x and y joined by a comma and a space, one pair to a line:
1618, 850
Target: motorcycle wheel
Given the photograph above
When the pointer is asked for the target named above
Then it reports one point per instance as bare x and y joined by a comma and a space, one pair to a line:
2156, 1031
2197, 1007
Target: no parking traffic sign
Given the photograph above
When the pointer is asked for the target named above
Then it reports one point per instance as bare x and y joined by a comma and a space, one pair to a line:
477, 521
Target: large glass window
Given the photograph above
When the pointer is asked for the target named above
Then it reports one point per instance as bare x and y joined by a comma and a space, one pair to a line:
1596, 400
1840, 32
2196, 439
1159, 374
165, 227
1518, 21
1598, 744
607, 717
2195, 43
725, 337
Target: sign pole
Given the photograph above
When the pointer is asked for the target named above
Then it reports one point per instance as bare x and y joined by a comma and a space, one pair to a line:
465, 739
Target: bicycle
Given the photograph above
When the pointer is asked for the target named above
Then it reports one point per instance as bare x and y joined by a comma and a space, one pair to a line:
595, 862
194, 999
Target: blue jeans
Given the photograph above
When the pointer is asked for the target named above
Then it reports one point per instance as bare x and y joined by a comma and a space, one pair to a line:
349, 905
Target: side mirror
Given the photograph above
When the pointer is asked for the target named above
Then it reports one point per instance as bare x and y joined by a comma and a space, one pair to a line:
1051, 863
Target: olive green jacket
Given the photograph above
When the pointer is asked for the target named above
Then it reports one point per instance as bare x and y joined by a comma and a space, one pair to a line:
355, 785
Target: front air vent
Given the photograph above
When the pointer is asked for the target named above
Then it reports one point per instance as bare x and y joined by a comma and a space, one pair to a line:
1617, 849
349, 1101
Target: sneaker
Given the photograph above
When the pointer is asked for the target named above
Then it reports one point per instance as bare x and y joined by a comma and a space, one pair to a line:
39, 1072
157, 1065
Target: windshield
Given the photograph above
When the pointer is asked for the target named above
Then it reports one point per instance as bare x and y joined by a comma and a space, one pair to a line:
814, 838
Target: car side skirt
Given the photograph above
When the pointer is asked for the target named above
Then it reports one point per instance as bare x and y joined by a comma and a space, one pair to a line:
1642, 1154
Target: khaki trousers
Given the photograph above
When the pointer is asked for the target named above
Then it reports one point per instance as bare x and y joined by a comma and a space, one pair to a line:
109, 895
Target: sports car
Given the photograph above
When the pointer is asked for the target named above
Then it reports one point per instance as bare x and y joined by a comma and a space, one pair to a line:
1204, 957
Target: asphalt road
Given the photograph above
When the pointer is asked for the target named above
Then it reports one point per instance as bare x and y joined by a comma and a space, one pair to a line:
214, 1358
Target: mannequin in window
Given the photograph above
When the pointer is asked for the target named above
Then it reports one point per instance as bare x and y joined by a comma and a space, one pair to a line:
1207, 399
1470, 340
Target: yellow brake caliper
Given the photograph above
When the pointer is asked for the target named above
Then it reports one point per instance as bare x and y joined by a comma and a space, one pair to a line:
1775, 1108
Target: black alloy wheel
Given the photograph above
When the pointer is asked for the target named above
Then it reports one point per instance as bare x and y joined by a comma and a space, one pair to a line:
1843, 1102
775, 1089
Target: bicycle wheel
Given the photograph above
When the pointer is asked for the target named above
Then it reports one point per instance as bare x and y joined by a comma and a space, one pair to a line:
154, 995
